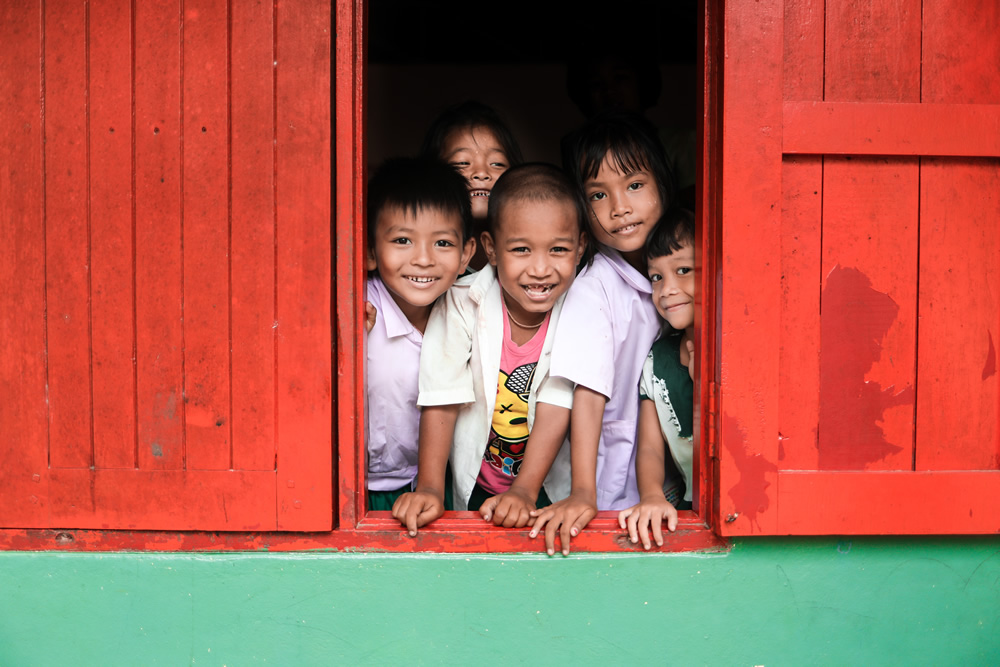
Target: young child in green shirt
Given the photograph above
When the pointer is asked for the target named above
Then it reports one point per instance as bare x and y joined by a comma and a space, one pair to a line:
666, 388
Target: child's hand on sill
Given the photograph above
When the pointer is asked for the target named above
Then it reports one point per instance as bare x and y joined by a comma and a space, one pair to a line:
417, 509
649, 513
568, 516
511, 509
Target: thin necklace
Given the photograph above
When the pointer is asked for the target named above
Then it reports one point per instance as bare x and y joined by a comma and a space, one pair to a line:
525, 326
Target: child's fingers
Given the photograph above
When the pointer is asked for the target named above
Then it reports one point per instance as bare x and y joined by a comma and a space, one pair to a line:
487, 509
633, 527
541, 518
370, 315
672, 520
565, 531
624, 514
657, 523
411, 521
644, 530
550, 535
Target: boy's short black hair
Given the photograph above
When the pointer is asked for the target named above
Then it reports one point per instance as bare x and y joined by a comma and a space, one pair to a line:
633, 144
415, 184
673, 230
538, 181
469, 115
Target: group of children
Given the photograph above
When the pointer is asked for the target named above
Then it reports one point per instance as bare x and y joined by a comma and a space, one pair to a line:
522, 318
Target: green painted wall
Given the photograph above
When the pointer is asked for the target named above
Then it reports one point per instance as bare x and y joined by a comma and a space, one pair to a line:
767, 602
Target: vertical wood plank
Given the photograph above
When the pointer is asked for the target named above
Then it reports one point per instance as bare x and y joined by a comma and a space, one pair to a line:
804, 23
206, 235
799, 367
23, 415
112, 251
749, 327
67, 239
958, 402
304, 311
159, 278
252, 237
868, 321
873, 51
961, 49
801, 233
350, 160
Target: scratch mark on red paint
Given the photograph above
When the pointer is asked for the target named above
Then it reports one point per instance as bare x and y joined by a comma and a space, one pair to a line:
749, 494
854, 322
990, 368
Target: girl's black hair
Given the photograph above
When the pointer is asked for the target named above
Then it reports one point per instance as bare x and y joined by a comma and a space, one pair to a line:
629, 140
539, 181
469, 115
673, 230
414, 184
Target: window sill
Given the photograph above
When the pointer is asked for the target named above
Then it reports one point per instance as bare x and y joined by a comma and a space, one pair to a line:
378, 532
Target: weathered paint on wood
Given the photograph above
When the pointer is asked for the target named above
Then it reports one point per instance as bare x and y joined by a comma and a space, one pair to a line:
887, 255
134, 331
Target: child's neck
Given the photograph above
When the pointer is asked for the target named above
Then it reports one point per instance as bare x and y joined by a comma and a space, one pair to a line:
416, 315
636, 259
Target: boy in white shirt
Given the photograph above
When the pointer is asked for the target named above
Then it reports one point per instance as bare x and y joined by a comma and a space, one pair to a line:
486, 396
419, 242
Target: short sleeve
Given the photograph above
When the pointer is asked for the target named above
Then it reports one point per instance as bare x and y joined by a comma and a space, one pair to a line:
584, 348
646, 379
556, 391
445, 359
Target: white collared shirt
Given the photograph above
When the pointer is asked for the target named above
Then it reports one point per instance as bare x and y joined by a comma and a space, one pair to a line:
607, 326
460, 365
392, 416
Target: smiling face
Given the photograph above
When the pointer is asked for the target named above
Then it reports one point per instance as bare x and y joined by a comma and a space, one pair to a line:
624, 208
673, 286
418, 255
477, 155
536, 249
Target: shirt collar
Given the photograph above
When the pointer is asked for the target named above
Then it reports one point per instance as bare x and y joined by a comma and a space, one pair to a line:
395, 321
628, 273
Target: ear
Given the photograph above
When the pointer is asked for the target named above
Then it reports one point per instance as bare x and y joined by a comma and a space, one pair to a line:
489, 248
468, 250
370, 263
581, 247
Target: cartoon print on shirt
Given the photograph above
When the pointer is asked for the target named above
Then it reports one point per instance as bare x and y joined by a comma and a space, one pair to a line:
509, 434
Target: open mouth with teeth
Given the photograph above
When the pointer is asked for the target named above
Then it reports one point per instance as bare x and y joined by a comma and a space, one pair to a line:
538, 291
421, 280
480, 193
626, 228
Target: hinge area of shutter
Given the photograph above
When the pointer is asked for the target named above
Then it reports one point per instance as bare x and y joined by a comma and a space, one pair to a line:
712, 410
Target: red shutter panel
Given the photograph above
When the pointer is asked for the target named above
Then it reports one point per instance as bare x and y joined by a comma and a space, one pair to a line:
860, 283
165, 288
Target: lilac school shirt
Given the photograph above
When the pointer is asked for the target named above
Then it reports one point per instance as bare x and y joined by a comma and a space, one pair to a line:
392, 416
607, 326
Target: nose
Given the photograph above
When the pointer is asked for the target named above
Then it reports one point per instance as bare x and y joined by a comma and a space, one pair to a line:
539, 266
620, 205
479, 169
423, 255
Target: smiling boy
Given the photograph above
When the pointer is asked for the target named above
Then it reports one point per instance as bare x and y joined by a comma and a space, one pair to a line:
487, 398
419, 242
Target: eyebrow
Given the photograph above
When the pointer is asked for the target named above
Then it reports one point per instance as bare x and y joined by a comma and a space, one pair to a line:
523, 240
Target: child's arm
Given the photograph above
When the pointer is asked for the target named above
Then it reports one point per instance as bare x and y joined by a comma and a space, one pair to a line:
571, 515
653, 508
421, 506
512, 508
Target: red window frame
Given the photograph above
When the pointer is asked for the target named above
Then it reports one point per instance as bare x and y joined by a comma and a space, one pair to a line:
354, 529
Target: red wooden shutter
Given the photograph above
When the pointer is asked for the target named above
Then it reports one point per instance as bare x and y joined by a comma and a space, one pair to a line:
860, 286
165, 269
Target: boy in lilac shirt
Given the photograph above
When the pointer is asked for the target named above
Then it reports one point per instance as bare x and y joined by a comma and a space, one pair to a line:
419, 242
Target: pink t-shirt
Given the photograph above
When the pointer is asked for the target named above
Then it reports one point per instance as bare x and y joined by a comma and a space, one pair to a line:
509, 431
